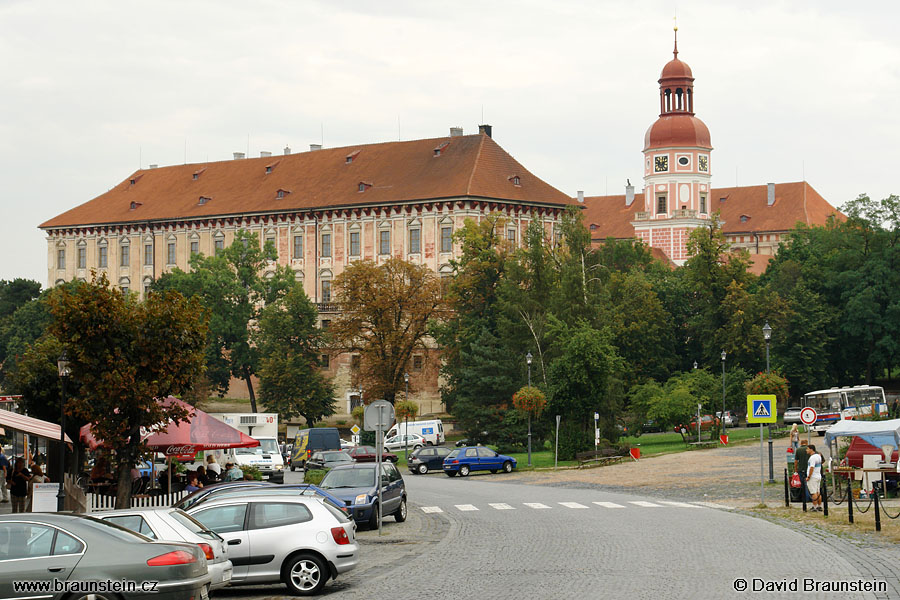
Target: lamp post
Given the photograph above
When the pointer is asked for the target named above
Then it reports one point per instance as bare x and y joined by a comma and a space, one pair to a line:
767, 334
62, 364
406, 420
528, 358
695, 364
723, 390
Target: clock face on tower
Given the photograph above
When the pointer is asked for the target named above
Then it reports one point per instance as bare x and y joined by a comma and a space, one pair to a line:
704, 163
661, 164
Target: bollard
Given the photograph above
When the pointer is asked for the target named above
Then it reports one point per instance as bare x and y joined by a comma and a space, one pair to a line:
877, 512
787, 490
771, 460
824, 492
850, 498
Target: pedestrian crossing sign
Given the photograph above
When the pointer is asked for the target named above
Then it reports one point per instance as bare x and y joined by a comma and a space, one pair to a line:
761, 408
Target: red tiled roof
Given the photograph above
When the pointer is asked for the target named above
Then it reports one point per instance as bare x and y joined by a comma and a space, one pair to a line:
794, 202
394, 172
759, 263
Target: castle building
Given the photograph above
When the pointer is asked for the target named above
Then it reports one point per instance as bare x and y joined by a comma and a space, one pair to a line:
678, 197
322, 209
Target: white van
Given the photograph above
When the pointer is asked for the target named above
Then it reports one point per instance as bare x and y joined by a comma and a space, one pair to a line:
432, 431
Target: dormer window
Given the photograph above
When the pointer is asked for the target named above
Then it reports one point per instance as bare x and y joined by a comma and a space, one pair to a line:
203, 200
134, 205
515, 180
350, 157
196, 174
439, 149
133, 181
593, 227
363, 186
268, 170
271, 167
744, 218
280, 194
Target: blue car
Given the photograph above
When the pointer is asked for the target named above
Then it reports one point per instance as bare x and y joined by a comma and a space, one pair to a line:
476, 458
355, 485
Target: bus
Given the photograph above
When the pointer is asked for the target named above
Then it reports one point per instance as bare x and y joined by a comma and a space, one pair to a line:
832, 405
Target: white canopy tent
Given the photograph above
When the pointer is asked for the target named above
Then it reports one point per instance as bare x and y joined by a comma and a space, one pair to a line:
877, 433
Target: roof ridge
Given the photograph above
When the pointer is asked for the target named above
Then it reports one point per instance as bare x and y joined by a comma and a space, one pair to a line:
475, 166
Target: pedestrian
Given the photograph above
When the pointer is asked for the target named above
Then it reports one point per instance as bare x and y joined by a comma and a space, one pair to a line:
232, 473
37, 476
212, 466
801, 459
814, 476
18, 485
895, 409
795, 437
4, 471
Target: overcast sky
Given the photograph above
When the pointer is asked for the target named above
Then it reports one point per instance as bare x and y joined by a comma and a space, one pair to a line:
90, 91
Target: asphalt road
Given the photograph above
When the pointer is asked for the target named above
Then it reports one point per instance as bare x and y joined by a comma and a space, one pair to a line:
486, 538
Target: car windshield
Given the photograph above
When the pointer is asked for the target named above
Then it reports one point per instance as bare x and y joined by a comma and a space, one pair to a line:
192, 524
118, 531
348, 478
265, 447
335, 456
453, 454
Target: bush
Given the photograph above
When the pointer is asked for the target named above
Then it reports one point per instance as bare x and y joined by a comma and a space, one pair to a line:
314, 476
572, 440
252, 471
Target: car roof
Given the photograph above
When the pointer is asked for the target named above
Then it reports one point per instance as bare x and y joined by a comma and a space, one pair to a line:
257, 498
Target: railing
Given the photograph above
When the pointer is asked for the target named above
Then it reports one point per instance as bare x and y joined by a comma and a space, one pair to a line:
684, 213
327, 307
642, 216
101, 502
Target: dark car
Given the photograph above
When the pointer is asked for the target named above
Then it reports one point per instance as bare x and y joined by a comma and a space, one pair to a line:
236, 488
476, 458
430, 458
362, 454
355, 485
308, 441
38, 547
328, 460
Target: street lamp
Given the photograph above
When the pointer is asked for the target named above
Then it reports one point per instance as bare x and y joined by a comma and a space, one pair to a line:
695, 364
406, 419
767, 333
723, 390
62, 364
528, 358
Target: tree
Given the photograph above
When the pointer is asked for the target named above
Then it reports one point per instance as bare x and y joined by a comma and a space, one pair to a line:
291, 381
17, 332
769, 383
385, 314
127, 355
234, 285
16, 293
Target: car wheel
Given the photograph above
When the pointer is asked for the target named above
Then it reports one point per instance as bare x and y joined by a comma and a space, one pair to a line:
95, 597
400, 515
507, 467
464, 471
394, 460
305, 575
376, 516
416, 447
429, 444
422, 469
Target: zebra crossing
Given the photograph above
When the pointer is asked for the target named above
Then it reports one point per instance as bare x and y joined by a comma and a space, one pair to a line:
568, 505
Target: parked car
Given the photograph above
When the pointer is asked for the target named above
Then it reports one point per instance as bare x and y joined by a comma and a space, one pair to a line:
48, 547
300, 541
706, 422
368, 454
731, 419
175, 525
399, 443
462, 442
345, 445
328, 460
792, 415
477, 458
428, 459
308, 441
651, 426
355, 485
237, 488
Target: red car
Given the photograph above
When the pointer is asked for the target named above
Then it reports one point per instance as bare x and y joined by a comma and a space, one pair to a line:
367, 454
706, 422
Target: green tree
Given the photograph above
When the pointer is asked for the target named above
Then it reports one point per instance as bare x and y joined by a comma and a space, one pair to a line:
126, 355
17, 332
769, 383
234, 285
16, 293
291, 381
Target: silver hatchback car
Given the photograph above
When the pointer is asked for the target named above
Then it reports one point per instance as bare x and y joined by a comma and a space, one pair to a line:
297, 540
174, 525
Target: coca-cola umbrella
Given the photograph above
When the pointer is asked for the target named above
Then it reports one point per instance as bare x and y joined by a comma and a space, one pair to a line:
199, 432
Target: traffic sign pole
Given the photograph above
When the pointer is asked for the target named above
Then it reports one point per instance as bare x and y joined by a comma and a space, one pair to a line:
761, 408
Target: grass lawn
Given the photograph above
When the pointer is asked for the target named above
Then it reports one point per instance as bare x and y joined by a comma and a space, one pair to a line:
663, 443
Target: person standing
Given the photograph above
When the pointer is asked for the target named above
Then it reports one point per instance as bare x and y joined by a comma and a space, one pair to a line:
18, 485
795, 438
814, 476
5, 471
37, 476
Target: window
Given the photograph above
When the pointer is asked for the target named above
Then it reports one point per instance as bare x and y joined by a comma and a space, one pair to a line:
124, 256
354, 361
362, 187
220, 245
280, 194
223, 519
446, 239
324, 361
326, 323
354, 243
124, 288
418, 361
661, 205
170, 253
148, 254
326, 245
278, 514
326, 290
384, 242
744, 219
146, 289
298, 246
61, 258
195, 247
25, 540
66, 544
82, 258
135, 523
703, 203
511, 235
415, 241
102, 257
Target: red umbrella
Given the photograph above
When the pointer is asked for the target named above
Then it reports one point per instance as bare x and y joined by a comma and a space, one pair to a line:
199, 432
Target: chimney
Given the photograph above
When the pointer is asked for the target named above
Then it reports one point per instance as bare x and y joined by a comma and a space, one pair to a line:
238, 155
264, 154
456, 131
629, 193
314, 147
770, 198
581, 196
287, 150
153, 166
486, 130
